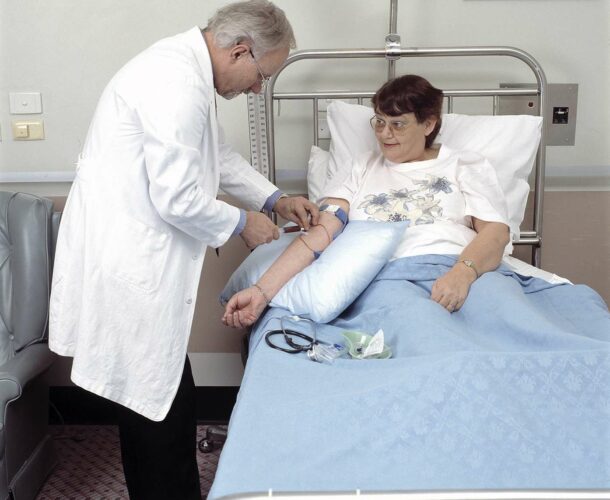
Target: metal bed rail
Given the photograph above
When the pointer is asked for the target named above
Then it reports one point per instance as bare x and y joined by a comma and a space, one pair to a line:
430, 495
391, 53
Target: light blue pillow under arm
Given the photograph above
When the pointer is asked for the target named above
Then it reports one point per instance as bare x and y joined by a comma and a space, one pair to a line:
330, 284
255, 265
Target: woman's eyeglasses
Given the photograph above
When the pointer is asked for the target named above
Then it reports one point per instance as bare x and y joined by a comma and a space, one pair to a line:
397, 127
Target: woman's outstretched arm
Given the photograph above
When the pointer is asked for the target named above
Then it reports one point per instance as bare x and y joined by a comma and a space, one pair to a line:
245, 307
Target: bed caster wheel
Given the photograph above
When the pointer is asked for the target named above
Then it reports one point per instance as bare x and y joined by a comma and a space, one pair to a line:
214, 436
206, 446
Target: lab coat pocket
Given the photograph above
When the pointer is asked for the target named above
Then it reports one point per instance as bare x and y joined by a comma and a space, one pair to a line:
139, 253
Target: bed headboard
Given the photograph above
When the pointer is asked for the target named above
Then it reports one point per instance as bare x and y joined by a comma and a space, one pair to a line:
392, 52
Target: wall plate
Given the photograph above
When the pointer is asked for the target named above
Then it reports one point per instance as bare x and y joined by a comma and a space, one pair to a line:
30, 130
559, 115
25, 103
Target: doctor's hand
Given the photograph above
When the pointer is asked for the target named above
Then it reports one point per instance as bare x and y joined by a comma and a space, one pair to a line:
244, 308
298, 209
258, 230
451, 289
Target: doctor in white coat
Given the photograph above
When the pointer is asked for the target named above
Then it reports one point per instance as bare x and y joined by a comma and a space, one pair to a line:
138, 219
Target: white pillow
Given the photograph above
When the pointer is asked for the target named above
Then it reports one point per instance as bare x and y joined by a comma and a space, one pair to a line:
351, 134
509, 142
325, 288
317, 173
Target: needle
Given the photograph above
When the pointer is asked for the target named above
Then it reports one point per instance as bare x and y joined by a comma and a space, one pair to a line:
293, 229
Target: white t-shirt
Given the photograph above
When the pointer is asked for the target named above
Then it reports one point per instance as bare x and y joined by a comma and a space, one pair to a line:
437, 196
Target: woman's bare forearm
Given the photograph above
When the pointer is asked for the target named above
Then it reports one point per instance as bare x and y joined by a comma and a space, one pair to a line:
300, 253
481, 255
487, 248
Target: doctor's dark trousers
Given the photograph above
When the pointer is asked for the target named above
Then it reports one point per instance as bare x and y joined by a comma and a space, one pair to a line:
159, 458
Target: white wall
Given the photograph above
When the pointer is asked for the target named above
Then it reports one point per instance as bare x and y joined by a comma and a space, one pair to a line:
69, 49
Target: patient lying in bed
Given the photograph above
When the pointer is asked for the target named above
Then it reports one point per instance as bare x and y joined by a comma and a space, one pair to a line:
451, 199
497, 380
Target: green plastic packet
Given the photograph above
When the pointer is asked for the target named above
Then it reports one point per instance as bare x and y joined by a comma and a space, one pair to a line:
357, 342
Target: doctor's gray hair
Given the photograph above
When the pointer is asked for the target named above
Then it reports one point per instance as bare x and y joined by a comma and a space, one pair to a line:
256, 22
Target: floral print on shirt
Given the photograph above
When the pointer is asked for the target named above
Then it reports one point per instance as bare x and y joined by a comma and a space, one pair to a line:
418, 206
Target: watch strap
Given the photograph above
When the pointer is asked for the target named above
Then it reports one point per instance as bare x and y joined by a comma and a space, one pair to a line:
469, 263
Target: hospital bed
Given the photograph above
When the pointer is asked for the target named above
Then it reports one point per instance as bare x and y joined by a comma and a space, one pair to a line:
516, 408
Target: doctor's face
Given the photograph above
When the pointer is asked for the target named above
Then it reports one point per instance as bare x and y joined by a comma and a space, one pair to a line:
249, 73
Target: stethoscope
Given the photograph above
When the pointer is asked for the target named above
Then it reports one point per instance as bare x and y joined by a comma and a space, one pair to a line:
290, 338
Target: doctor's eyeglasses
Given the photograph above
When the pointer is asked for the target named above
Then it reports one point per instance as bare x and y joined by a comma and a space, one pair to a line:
263, 79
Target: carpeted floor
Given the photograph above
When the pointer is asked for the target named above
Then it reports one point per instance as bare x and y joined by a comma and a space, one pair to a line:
90, 467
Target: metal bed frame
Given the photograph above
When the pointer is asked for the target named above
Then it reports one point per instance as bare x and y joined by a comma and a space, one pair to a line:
430, 495
392, 52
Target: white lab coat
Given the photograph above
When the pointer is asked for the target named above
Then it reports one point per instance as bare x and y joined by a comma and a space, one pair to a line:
138, 219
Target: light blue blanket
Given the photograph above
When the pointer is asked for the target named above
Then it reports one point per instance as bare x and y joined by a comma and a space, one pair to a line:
510, 392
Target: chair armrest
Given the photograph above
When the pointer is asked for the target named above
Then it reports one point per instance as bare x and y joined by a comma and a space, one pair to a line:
17, 372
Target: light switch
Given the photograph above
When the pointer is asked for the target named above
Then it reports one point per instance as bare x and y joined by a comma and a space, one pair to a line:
28, 130
25, 103
21, 131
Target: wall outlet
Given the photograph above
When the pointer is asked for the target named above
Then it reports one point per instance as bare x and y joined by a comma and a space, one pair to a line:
323, 129
25, 103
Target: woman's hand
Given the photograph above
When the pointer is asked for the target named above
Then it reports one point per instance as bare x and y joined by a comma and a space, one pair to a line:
244, 308
451, 289
486, 249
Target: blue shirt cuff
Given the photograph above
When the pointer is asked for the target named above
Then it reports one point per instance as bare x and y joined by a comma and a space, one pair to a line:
272, 200
242, 222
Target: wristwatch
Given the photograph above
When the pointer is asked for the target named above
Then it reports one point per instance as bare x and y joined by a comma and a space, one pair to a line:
336, 210
469, 263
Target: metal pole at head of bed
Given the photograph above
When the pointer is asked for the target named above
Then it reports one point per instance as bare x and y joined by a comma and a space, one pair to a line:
392, 40
533, 237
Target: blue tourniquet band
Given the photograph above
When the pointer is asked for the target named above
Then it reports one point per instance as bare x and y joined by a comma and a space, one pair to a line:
337, 211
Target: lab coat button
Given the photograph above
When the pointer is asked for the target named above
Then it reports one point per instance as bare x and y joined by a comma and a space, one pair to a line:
11, 337
189, 301
195, 257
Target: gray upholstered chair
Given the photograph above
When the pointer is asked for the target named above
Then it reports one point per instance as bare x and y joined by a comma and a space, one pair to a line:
27, 237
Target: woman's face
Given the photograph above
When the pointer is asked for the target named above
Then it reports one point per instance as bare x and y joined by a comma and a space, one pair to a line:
401, 138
